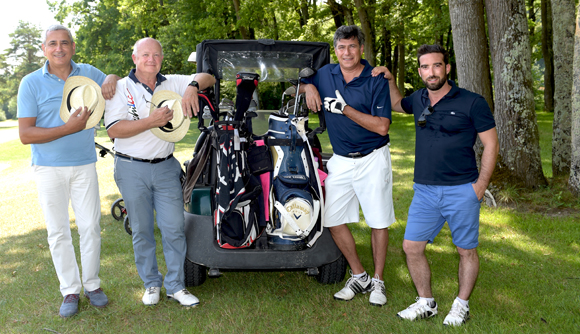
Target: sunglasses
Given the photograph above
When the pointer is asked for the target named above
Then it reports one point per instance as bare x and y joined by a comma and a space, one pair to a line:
422, 121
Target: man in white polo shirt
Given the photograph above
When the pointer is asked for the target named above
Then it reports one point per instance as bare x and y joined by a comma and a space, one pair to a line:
146, 172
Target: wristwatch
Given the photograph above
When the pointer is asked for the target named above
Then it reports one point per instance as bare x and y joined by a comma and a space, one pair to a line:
194, 84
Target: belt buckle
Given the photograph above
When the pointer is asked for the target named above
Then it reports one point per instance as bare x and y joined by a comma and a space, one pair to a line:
355, 155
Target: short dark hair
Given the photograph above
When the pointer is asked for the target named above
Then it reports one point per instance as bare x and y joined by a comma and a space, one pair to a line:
348, 32
435, 48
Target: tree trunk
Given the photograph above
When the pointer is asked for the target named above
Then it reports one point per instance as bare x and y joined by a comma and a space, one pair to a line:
519, 159
337, 13
366, 25
574, 181
347, 12
396, 64
532, 16
401, 66
548, 55
243, 31
471, 47
472, 53
563, 24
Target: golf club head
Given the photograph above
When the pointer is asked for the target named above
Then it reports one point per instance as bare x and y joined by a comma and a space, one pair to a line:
290, 90
306, 72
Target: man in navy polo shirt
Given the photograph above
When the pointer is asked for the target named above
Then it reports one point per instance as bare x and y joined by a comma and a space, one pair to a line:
448, 186
358, 115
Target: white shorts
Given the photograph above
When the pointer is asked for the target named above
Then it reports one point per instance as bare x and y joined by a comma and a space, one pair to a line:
367, 181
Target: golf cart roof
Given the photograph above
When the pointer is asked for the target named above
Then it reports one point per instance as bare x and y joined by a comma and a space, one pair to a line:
274, 61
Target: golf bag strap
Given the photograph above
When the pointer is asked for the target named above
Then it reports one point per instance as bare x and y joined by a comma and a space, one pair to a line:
200, 160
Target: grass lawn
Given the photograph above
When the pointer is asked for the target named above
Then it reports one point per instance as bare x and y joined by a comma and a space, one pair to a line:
529, 278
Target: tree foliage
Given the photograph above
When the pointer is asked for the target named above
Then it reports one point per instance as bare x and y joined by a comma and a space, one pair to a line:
106, 31
21, 58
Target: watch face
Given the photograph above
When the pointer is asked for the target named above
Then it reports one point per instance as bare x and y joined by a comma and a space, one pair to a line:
194, 84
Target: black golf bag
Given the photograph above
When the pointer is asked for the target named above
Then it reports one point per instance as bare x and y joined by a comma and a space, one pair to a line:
221, 162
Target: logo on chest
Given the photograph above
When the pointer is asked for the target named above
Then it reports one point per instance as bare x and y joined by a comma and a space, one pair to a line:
132, 107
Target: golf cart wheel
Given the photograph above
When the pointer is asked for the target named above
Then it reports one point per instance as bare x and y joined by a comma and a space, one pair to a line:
332, 272
195, 274
127, 226
118, 210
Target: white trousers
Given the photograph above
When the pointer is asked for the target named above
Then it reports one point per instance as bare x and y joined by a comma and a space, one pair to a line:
79, 184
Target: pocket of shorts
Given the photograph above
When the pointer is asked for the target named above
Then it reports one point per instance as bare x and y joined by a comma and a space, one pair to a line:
474, 194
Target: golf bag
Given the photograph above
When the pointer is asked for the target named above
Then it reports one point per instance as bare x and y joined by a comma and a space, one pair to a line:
237, 217
296, 202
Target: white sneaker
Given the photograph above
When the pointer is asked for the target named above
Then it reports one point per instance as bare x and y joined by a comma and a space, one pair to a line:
378, 295
354, 286
458, 315
419, 310
151, 296
184, 298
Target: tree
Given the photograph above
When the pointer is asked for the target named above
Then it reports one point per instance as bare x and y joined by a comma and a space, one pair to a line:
368, 29
471, 47
574, 181
22, 58
472, 53
519, 161
548, 54
563, 24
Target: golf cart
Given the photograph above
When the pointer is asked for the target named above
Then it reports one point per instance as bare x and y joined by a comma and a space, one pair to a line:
271, 61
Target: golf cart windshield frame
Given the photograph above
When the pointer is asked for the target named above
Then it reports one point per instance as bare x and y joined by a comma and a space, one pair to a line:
274, 61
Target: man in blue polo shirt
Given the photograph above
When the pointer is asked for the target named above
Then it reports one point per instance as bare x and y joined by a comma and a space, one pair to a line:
448, 186
63, 161
357, 108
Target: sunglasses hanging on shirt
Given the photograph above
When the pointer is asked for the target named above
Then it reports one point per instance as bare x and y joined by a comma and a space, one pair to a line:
422, 121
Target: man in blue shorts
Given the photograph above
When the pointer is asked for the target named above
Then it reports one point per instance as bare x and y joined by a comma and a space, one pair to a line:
448, 186
63, 162
358, 115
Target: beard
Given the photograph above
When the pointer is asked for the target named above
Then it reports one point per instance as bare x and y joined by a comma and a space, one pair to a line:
437, 85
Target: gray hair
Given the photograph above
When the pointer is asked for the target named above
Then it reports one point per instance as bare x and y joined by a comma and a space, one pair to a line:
143, 39
56, 27
348, 32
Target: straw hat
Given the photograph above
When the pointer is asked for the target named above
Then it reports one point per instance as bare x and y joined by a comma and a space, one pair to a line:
78, 92
177, 127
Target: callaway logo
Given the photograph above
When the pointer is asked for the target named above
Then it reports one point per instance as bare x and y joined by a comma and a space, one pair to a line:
131, 104
297, 217
296, 207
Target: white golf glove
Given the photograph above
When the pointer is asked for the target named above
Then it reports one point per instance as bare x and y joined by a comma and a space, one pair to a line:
335, 105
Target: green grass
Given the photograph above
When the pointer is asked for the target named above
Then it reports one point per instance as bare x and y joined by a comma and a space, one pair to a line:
528, 283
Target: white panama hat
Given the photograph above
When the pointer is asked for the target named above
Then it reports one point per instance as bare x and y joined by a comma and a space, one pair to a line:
81, 91
177, 127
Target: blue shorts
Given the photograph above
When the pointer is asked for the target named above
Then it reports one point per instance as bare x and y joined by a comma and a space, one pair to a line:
433, 205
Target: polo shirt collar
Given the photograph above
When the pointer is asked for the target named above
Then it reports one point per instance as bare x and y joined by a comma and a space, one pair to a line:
160, 78
366, 72
454, 91
74, 71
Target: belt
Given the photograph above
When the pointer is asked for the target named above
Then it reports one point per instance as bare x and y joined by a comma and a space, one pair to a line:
151, 161
358, 155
